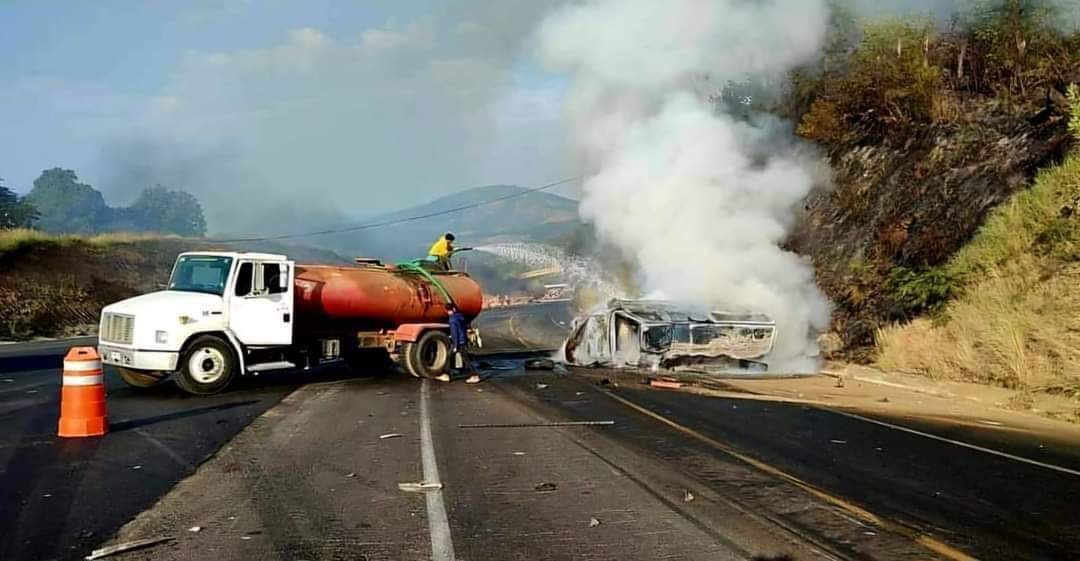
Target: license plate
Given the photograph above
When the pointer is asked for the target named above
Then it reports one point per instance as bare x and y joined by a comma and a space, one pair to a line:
114, 357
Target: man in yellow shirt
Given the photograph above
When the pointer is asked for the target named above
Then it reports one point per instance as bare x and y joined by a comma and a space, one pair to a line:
441, 251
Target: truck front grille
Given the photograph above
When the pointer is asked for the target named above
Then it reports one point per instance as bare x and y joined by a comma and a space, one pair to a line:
117, 328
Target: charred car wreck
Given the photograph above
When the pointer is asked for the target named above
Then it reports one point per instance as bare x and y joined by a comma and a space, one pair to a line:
656, 334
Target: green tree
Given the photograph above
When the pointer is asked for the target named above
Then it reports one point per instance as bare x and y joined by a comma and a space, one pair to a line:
15, 211
67, 205
171, 212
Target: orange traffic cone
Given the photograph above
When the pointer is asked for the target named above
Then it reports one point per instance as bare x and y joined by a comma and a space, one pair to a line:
82, 399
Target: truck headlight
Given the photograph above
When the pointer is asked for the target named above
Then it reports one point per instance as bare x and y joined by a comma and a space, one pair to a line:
161, 337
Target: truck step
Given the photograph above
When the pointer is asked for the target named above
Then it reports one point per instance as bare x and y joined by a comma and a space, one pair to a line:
270, 366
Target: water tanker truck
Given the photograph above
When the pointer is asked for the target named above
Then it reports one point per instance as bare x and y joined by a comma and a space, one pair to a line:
224, 314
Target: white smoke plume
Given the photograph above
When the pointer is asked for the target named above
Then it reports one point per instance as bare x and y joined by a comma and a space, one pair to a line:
699, 199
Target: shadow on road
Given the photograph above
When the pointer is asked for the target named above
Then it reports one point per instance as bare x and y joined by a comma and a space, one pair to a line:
136, 423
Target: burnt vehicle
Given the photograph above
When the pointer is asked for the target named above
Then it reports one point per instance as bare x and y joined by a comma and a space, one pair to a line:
651, 334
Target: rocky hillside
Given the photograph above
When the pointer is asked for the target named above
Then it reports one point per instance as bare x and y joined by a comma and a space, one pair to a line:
927, 131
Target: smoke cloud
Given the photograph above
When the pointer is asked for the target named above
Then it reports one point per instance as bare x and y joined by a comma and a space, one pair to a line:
326, 127
698, 198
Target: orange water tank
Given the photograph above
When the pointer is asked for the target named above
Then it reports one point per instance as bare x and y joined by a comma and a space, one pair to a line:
375, 297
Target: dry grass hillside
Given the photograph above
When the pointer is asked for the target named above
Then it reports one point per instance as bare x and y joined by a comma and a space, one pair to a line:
56, 285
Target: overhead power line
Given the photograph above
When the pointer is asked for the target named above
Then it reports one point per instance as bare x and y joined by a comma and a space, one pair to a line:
384, 223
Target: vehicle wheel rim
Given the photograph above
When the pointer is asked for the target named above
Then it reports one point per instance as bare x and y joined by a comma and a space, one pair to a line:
207, 365
433, 355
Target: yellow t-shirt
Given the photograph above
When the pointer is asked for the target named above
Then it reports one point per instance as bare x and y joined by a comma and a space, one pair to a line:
440, 248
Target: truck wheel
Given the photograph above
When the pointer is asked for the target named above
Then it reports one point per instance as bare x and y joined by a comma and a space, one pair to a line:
429, 356
206, 367
141, 378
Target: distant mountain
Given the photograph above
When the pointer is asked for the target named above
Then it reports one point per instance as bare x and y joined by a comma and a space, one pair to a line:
536, 217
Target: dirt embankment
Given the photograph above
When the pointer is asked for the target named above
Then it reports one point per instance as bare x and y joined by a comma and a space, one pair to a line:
56, 286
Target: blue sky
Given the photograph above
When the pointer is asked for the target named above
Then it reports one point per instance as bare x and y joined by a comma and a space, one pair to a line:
341, 108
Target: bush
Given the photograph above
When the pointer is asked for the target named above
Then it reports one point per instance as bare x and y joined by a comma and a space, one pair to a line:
914, 291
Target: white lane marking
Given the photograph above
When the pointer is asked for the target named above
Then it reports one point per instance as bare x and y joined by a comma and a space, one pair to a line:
960, 443
84, 380
442, 546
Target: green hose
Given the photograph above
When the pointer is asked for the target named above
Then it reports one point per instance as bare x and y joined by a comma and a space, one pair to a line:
415, 266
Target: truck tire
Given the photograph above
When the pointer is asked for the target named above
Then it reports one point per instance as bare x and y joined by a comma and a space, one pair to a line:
141, 378
206, 366
429, 356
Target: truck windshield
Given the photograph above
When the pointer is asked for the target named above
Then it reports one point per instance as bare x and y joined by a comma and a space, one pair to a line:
201, 273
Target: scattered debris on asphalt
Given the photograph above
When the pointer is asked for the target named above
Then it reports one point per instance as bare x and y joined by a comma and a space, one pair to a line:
351, 474
195, 529
687, 496
666, 384
540, 364
546, 487
519, 453
126, 546
839, 381
136, 467
579, 394
593, 522
390, 435
883, 400
541, 386
539, 425
419, 487
838, 441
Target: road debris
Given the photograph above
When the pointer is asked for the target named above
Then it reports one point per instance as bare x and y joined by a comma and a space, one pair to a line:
838, 441
351, 474
839, 381
883, 400
136, 467
540, 364
546, 487
195, 529
593, 522
419, 487
541, 386
390, 435
126, 546
537, 425
519, 453
666, 384
687, 496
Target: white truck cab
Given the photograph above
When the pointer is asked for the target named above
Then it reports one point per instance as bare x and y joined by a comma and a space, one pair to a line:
216, 305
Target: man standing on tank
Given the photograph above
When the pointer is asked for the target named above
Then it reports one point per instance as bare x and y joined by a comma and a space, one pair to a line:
459, 345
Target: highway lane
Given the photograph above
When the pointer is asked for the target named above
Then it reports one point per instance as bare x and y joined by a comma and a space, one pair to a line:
60, 497
311, 477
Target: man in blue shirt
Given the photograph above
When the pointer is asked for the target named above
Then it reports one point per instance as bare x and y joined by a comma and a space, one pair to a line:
459, 344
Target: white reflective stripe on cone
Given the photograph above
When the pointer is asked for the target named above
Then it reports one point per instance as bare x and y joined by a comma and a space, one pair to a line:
81, 365
84, 380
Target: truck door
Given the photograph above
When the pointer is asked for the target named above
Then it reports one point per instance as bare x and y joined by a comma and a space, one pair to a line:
261, 303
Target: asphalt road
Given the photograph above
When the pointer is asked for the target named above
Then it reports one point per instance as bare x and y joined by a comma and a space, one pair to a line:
667, 475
